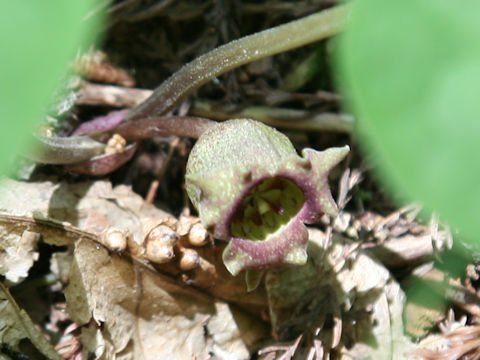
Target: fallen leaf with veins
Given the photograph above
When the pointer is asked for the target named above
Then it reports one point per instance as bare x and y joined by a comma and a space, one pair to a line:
67, 213
50, 209
144, 315
62, 213
90, 206
132, 310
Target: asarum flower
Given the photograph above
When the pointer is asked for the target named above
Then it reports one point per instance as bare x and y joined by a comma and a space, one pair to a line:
252, 189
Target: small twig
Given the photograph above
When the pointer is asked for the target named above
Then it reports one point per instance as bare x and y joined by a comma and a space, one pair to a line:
406, 250
442, 284
393, 217
343, 190
171, 152
152, 191
461, 343
95, 67
337, 328
109, 95
289, 350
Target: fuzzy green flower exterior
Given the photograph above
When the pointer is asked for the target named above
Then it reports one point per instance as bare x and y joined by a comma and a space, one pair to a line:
252, 189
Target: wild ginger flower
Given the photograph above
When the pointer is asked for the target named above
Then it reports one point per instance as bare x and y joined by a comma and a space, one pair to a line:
252, 189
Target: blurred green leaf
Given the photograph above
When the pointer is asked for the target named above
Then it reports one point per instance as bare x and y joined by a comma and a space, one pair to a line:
411, 71
37, 40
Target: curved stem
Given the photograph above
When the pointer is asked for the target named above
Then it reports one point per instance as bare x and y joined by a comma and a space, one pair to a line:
239, 52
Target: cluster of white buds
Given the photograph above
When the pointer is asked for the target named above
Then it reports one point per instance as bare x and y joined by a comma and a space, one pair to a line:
163, 240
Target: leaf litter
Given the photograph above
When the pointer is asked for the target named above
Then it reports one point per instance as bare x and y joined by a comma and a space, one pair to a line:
122, 305
128, 307
126, 280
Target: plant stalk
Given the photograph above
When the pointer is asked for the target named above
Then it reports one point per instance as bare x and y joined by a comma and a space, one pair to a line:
188, 126
237, 53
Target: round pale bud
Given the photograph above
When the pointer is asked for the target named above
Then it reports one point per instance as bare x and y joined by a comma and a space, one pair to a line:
189, 259
198, 236
163, 235
115, 239
159, 253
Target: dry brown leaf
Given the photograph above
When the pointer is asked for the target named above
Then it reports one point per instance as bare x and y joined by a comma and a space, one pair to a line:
90, 206
146, 315
57, 211
63, 213
60, 265
17, 253
456, 341
345, 284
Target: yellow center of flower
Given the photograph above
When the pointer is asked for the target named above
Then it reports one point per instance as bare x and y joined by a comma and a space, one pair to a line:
267, 206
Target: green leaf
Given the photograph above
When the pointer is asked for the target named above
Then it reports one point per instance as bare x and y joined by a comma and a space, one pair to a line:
37, 40
411, 71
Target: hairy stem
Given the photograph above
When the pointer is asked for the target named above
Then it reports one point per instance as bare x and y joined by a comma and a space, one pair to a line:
240, 52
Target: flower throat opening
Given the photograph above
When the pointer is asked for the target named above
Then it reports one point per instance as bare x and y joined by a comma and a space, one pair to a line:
268, 205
